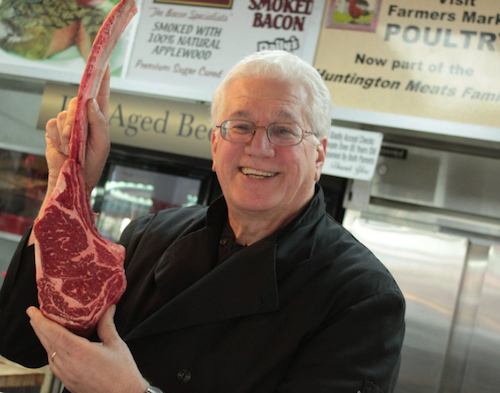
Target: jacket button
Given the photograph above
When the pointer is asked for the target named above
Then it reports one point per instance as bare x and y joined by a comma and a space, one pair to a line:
184, 375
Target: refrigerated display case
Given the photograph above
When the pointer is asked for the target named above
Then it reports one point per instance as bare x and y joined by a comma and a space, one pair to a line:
130, 193
23, 180
137, 182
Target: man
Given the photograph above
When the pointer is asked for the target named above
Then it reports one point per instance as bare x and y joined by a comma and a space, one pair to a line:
260, 292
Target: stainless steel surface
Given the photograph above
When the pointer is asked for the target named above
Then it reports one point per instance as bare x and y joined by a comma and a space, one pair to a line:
465, 316
441, 179
428, 268
433, 218
483, 365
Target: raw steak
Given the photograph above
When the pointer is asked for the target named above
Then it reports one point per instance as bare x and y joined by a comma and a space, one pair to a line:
79, 274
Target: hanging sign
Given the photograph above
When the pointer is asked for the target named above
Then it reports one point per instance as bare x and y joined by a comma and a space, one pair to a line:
146, 122
434, 59
185, 48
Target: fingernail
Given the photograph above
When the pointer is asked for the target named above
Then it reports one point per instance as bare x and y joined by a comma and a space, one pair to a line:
29, 311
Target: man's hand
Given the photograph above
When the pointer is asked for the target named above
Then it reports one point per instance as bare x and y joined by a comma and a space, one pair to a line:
58, 132
87, 367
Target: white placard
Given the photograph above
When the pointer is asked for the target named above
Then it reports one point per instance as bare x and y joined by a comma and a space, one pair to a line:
352, 153
187, 47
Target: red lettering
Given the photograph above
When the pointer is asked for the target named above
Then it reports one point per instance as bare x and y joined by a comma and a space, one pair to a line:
279, 22
284, 6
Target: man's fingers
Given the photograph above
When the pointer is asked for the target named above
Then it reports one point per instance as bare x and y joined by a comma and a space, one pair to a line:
106, 327
66, 123
61, 120
98, 142
104, 93
45, 329
59, 129
53, 336
98, 134
52, 132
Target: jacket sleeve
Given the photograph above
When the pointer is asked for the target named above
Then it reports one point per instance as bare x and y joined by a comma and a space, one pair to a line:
357, 350
18, 341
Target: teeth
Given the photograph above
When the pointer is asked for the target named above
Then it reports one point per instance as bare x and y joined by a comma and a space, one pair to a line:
254, 172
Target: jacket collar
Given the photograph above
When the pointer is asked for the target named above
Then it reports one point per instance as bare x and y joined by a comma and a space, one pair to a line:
244, 284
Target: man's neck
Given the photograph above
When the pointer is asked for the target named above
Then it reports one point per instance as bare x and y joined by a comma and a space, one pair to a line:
251, 227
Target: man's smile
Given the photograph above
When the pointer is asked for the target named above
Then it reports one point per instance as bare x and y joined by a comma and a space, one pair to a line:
254, 173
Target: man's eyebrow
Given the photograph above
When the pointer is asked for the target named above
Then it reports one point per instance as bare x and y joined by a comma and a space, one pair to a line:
239, 114
279, 114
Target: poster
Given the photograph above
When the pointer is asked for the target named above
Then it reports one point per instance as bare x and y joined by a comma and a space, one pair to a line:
431, 59
51, 39
185, 48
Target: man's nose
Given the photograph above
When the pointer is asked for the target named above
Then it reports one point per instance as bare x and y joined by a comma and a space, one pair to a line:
260, 143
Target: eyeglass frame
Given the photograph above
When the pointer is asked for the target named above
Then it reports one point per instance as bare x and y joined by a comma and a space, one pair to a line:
303, 135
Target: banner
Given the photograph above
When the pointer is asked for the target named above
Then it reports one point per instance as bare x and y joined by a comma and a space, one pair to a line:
146, 122
434, 59
185, 48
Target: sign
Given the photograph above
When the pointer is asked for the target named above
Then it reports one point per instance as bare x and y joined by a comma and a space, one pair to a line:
51, 39
187, 47
145, 122
433, 59
352, 154
175, 48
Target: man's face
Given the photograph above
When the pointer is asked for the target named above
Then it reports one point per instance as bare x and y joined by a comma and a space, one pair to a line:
259, 177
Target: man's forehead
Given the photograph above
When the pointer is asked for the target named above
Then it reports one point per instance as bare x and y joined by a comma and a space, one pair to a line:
257, 98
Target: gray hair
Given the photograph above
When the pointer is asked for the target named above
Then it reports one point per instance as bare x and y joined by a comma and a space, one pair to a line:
284, 66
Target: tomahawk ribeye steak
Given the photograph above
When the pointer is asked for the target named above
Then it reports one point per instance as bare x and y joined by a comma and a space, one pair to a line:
79, 274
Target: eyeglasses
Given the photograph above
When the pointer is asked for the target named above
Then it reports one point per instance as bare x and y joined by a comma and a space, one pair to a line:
281, 134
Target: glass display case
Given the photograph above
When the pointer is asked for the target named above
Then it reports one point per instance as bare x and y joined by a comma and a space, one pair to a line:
129, 193
23, 182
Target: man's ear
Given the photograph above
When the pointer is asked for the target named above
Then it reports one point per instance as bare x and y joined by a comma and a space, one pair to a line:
320, 157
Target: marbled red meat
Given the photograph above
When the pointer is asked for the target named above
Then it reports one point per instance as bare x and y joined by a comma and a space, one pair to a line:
79, 274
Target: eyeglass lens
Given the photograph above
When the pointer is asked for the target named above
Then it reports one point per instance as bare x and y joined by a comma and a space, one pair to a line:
242, 131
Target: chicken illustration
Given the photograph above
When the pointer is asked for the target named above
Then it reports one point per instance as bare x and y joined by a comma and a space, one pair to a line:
358, 8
